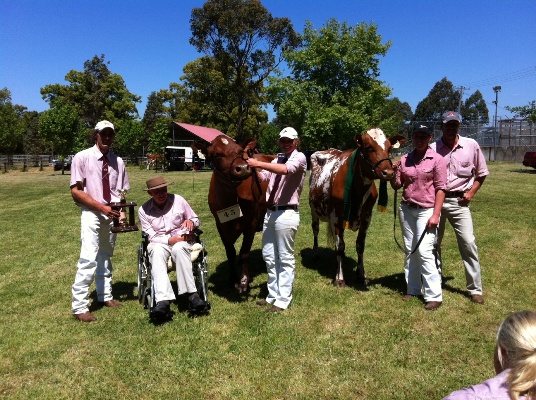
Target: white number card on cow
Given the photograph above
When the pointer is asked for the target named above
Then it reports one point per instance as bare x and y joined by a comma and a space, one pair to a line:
229, 213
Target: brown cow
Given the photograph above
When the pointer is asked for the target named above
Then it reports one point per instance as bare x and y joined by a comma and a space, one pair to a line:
236, 199
329, 169
153, 160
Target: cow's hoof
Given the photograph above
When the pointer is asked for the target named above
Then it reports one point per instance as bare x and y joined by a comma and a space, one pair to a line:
242, 289
362, 284
339, 283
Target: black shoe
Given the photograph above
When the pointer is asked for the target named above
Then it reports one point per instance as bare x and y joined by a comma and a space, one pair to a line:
161, 311
196, 303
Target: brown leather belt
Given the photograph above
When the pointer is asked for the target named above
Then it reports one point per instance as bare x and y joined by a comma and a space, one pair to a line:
451, 195
285, 207
412, 205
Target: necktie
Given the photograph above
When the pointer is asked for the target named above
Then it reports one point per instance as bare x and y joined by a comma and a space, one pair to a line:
270, 202
106, 195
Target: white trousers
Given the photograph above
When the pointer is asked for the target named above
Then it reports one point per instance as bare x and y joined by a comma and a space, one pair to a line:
279, 232
180, 254
422, 262
94, 263
462, 222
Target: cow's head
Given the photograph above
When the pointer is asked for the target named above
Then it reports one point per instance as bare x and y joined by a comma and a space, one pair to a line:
374, 148
228, 157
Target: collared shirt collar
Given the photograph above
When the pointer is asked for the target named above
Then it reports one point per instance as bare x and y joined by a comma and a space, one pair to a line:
458, 143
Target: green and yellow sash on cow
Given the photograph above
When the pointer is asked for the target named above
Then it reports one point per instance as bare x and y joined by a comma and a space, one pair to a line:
382, 196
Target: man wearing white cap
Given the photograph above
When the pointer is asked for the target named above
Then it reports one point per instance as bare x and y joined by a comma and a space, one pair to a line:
466, 172
285, 175
97, 176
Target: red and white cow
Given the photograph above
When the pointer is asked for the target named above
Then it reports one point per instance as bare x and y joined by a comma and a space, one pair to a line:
329, 169
153, 160
236, 199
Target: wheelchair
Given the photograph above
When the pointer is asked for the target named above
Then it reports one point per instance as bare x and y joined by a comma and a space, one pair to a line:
199, 266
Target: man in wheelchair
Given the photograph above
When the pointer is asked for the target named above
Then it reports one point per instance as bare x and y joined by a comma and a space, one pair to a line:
168, 221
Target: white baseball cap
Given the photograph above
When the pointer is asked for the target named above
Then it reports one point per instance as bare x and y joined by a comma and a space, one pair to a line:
288, 132
104, 125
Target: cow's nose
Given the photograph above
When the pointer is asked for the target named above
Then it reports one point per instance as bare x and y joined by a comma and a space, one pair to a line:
388, 173
242, 168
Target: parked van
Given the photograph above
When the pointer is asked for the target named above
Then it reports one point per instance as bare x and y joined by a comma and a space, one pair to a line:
181, 158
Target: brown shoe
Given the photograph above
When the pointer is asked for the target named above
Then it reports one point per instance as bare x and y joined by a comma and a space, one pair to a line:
275, 309
85, 317
110, 303
432, 305
262, 303
477, 298
407, 297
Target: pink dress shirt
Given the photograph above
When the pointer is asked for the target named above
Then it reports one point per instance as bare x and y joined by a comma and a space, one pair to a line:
421, 180
290, 185
87, 168
464, 163
161, 224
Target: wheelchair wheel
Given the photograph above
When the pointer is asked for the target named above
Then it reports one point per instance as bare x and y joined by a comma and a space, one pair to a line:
142, 275
200, 270
144, 280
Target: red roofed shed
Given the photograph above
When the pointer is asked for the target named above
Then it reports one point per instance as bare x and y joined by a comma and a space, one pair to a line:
184, 134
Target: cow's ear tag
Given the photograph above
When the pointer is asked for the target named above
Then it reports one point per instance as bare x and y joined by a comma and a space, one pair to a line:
396, 145
224, 141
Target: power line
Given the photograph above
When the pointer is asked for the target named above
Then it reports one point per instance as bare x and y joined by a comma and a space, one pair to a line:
509, 77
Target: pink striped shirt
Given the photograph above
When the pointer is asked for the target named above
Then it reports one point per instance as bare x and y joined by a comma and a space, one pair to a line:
87, 168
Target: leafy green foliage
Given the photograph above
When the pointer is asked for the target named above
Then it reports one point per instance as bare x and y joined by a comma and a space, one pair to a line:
243, 42
332, 92
527, 112
11, 124
63, 129
33, 141
96, 93
475, 110
268, 141
129, 139
159, 139
442, 97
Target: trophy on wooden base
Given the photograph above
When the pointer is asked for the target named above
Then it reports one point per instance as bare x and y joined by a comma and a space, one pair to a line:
122, 224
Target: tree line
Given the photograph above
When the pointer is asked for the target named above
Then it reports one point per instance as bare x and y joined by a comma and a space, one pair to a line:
324, 82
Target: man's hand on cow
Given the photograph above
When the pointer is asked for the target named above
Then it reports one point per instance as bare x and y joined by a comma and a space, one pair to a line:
254, 163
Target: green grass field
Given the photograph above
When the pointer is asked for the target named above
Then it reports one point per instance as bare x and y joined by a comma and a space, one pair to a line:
331, 344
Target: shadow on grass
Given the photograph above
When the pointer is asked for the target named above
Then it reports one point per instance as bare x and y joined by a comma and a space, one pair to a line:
219, 278
524, 171
122, 291
324, 261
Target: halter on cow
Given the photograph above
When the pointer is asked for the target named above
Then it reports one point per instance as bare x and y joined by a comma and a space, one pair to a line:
329, 170
236, 200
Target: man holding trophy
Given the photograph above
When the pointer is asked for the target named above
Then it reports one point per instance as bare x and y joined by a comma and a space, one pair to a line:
98, 178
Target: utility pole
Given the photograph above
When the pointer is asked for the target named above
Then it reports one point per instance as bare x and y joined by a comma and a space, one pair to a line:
461, 89
496, 89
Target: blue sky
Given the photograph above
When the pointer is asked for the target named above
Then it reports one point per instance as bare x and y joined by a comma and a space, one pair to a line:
475, 44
